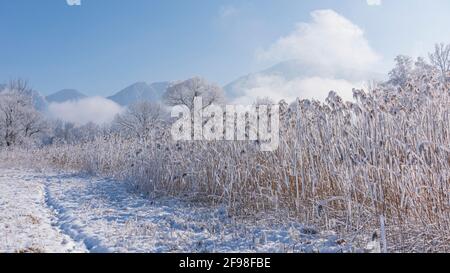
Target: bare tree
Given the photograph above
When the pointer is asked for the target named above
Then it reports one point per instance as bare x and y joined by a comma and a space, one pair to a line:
19, 121
440, 58
33, 123
62, 132
87, 132
183, 93
19, 86
140, 119
423, 68
402, 71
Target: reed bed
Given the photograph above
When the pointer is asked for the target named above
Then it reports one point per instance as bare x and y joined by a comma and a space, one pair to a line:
378, 164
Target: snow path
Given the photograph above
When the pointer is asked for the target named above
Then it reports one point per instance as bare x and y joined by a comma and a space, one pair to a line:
73, 213
26, 223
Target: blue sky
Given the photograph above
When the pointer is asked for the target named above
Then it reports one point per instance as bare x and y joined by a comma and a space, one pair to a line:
104, 45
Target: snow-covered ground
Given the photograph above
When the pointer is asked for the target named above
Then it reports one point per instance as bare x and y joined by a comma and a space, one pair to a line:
26, 222
72, 213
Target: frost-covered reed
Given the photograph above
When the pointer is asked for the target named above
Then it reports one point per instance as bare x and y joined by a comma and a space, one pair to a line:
341, 165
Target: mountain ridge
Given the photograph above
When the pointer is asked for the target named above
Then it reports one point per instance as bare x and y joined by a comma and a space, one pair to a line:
140, 91
65, 95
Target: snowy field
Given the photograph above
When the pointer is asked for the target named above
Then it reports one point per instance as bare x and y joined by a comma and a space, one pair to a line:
73, 213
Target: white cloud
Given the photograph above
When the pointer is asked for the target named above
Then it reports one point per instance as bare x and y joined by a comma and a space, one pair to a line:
334, 55
374, 2
329, 42
277, 88
228, 11
96, 109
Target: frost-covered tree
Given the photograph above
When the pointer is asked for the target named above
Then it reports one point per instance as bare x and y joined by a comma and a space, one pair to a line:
183, 93
402, 71
62, 132
70, 133
422, 68
141, 119
87, 132
11, 108
440, 58
20, 122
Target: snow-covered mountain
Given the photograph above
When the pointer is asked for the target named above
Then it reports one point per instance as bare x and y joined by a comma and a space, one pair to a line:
65, 95
140, 91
